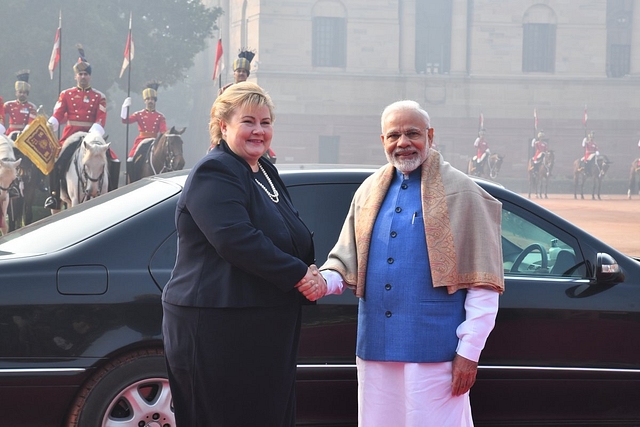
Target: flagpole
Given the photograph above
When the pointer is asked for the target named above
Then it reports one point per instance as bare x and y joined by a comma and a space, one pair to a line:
126, 147
60, 64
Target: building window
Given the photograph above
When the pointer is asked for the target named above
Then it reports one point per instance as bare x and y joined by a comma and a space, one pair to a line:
619, 31
329, 42
539, 48
433, 36
618, 60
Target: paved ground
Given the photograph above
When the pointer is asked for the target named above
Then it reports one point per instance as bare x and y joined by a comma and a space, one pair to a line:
614, 219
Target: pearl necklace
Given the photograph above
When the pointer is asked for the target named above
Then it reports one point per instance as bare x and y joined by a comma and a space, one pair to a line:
275, 196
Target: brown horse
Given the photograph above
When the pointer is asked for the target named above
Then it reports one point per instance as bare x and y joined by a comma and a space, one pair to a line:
596, 169
159, 155
489, 168
539, 174
634, 178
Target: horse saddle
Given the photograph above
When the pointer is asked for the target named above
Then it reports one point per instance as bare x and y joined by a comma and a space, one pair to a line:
66, 153
142, 149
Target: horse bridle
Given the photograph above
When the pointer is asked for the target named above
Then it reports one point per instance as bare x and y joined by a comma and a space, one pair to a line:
84, 174
3, 189
493, 168
169, 157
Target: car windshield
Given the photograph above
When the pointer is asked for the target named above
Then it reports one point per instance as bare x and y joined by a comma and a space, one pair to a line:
80, 222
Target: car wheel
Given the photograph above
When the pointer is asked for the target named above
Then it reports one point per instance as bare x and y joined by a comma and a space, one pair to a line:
132, 390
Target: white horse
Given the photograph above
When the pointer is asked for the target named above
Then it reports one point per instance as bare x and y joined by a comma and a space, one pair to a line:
8, 174
87, 175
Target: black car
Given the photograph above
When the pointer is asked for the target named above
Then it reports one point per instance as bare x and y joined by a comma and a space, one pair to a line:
80, 316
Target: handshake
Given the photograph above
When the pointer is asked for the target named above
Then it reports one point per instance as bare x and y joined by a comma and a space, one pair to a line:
312, 285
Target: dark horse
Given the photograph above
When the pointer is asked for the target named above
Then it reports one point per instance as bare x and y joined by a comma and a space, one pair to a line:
539, 174
634, 178
490, 167
29, 180
159, 155
595, 169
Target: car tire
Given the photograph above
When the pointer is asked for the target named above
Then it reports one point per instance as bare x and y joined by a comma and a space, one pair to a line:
139, 378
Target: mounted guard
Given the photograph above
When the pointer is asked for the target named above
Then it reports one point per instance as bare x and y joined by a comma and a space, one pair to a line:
541, 146
85, 110
21, 112
482, 149
590, 151
151, 123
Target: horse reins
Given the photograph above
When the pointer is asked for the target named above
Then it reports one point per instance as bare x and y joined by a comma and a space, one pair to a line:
82, 189
168, 159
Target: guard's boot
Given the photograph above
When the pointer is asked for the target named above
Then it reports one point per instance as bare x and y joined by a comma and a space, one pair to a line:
53, 201
114, 173
130, 169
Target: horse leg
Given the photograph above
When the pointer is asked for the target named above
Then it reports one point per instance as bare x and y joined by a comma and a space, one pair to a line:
15, 211
578, 181
4, 204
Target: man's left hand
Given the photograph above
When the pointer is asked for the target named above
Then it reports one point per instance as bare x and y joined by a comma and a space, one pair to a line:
463, 375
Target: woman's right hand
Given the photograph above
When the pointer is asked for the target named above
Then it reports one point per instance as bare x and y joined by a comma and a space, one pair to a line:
312, 285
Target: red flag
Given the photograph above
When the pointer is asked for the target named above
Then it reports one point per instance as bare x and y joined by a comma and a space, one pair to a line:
55, 53
217, 68
128, 51
584, 117
535, 119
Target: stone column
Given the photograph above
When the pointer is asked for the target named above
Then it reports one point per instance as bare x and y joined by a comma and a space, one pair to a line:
635, 40
459, 35
407, 39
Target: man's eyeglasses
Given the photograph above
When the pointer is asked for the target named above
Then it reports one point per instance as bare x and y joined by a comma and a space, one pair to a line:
412, 134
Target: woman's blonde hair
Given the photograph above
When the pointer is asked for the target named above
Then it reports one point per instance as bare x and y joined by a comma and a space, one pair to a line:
238, 95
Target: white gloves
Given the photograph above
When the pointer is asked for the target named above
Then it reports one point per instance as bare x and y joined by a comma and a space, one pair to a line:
125, 105
97, 128
54, 123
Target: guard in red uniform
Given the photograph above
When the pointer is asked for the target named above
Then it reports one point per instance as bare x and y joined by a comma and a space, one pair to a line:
590, 150
541, 147
482, 147
241, 68
2, 128
21, 112
151, 123
85, 110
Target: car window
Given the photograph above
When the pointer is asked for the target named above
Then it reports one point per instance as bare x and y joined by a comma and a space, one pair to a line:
323, 208
534, 247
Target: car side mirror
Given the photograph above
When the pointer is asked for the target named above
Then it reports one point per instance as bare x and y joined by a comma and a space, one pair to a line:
607, 269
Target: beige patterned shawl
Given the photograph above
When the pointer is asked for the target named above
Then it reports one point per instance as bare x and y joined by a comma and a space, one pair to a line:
461, 221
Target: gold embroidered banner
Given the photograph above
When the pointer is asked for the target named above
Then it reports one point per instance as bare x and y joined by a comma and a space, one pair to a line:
39, 144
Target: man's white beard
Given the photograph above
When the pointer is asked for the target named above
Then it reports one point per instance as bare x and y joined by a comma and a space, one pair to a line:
407, 166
